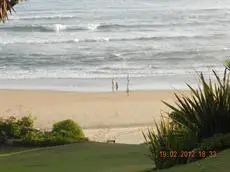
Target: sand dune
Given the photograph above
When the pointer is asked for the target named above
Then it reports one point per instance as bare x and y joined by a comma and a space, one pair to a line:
102, 115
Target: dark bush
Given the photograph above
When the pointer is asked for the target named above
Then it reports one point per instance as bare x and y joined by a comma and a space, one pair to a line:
26, 122
3, 137
218, 143
213, 143
10, 128
54, 139
21, 132
2, 131
69, 129
40, 139
33, 139
64, 132
211, 146
13, 128
225, 139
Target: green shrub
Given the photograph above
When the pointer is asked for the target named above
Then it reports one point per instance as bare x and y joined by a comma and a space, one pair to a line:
3, 137
225, 141
211, 146
10, 128
218, 143
26, 122
2, 131
13, 128
33, 139
213, 143
40, 139
64, 132
54, 139
69, 129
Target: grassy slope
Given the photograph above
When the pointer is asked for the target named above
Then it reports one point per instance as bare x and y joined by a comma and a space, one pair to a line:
218, 164
93, 157
88, 157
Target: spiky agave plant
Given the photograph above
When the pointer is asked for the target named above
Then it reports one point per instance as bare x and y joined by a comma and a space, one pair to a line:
157, 142
6, 7
207, 110
166, 142
204, 113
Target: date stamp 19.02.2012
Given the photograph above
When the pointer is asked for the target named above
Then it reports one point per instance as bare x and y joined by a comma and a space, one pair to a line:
187, 154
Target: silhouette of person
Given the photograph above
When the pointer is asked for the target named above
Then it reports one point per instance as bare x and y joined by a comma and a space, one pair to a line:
116, 86
127, 89
113, 84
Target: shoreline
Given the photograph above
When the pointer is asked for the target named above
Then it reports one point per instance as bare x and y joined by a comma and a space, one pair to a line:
92, 92
99, 84
110, 113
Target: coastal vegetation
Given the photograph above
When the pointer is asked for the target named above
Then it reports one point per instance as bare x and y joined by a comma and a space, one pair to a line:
21, 132
196, 127
6, 7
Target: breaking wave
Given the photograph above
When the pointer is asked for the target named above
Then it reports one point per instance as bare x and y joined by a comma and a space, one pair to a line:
111, 39
90, 27
42, 28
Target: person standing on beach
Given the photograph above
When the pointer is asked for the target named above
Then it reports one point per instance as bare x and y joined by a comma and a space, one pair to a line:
127, 89
113, 84
116, 86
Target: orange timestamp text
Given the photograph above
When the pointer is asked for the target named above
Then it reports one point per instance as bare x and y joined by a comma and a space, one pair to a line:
187, 154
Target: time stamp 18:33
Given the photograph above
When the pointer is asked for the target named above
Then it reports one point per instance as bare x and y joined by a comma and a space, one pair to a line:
187, 154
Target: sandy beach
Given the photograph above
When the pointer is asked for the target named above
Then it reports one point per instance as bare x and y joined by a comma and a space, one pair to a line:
102, 115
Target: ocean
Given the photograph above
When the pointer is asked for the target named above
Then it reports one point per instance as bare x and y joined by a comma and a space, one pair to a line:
81, 45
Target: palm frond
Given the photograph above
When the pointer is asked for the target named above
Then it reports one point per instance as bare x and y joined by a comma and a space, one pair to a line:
6, 8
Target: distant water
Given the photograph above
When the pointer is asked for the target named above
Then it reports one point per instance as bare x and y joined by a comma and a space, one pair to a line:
81, 45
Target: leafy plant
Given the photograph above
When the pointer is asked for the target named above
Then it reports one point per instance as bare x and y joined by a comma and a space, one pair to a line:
218, 142
227, 64
11, 128
207, 111
26, 122
21, 131
33, 138
40, 139
68, 128
54, 139
166, 139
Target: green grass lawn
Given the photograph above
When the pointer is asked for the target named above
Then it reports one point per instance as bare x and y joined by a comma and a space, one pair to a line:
97, 157
220, 163
5, 150
85, 157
